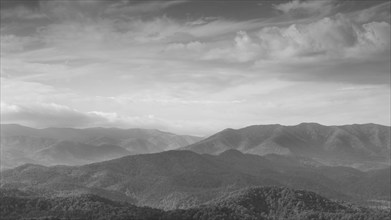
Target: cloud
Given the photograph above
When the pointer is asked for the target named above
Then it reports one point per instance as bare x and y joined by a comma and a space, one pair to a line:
119, 33
379, 12
165, 99
375, 37
370, 72
328, 37
17, 91
300, 8
54, 115
154, 66
71, 10
22, 13
193, 45
128, 7
332, 48
243, 50
45, 115
12, 43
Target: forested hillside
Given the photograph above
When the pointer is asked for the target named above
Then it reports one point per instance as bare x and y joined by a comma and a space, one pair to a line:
184, 179
260, 203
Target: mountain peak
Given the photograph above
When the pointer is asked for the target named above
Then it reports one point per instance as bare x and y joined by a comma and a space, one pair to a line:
309, 124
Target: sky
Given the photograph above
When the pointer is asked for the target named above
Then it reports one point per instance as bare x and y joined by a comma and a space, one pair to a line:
194, 66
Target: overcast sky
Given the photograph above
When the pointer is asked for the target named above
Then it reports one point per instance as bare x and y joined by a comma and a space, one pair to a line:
194, 67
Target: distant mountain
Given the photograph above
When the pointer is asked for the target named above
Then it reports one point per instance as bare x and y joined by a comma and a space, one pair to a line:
257, 203
348, 142
72, 153
22, 144
183, 179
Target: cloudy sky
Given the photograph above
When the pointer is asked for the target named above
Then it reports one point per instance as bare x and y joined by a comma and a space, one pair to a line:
194, 67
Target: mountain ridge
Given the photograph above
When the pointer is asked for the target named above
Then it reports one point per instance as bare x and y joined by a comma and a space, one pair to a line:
22, 144
183, 179
357, 141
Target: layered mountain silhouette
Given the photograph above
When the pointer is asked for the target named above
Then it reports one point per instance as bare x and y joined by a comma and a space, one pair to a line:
70, 146
184, 179
349, 142
258, 172
361, 146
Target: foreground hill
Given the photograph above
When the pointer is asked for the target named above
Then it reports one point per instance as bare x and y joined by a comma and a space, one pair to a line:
349, 142
183, 179
53, 146
261, 203
16, 204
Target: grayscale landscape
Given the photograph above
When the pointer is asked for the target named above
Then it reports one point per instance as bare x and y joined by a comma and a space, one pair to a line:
195, 110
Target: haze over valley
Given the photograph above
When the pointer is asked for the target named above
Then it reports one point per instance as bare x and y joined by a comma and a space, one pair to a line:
67, 146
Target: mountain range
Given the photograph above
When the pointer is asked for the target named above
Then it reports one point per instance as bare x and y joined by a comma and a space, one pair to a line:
307, 171
184, 179
326, 144
363, 146
69, 146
